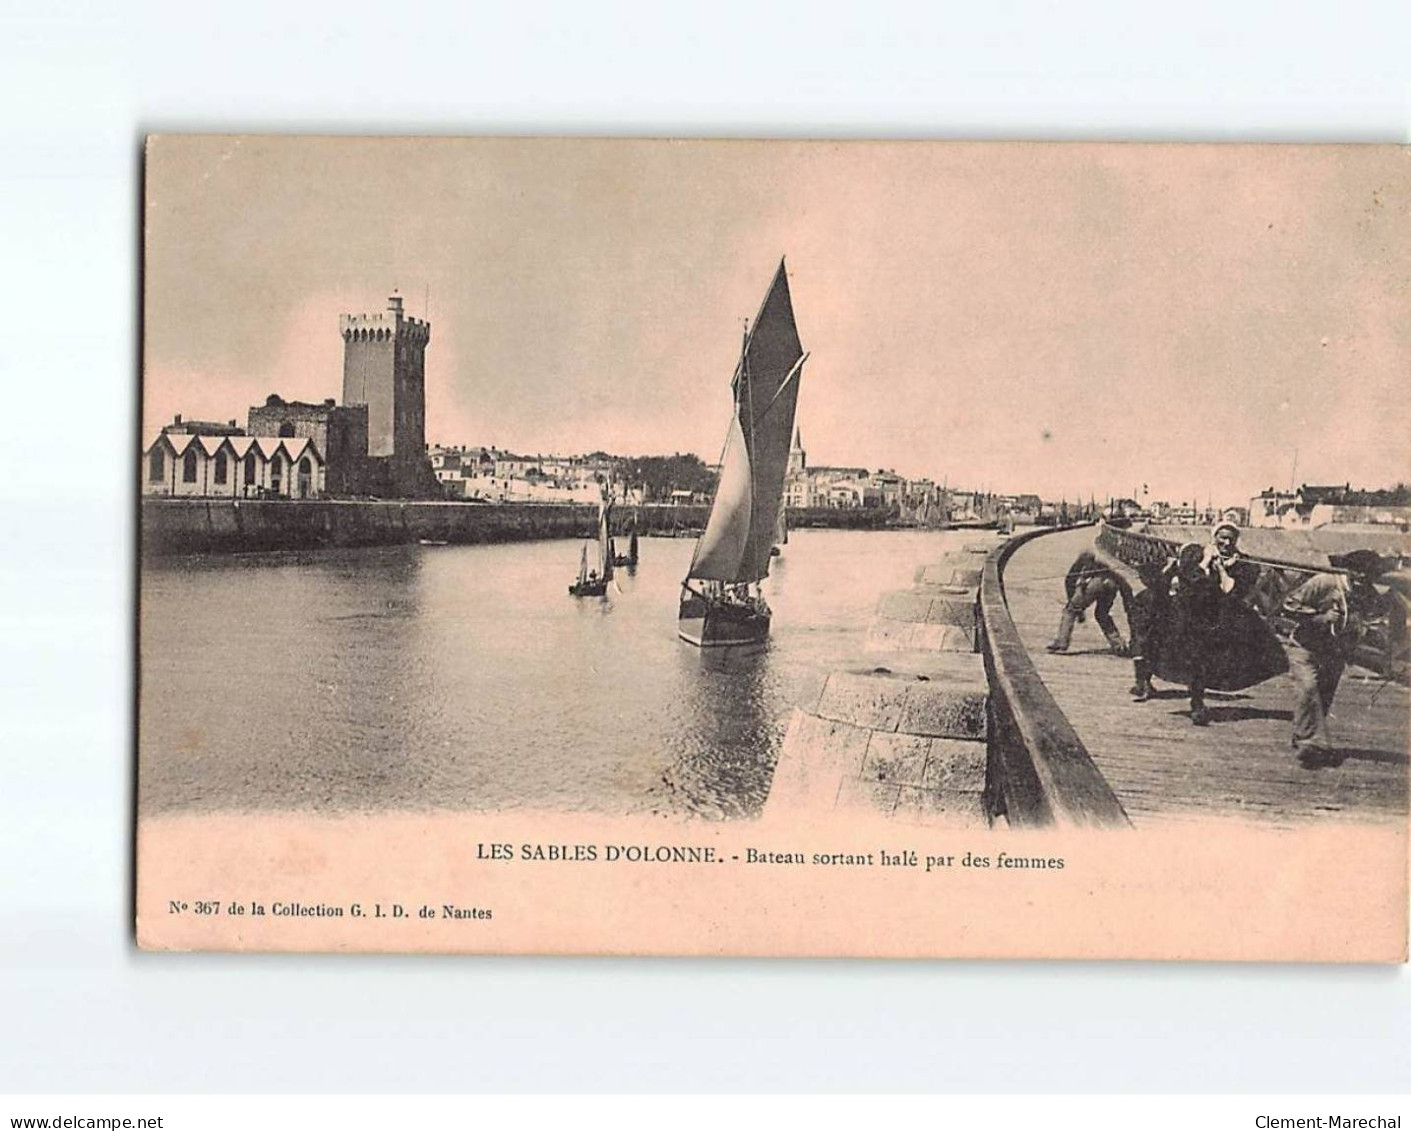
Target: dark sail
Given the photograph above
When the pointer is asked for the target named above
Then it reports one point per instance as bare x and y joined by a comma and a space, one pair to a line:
743, 520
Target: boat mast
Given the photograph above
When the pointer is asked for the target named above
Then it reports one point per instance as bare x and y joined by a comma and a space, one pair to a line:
743, 396
604, 542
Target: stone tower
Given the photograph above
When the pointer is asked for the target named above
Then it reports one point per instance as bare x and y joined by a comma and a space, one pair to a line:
384, 367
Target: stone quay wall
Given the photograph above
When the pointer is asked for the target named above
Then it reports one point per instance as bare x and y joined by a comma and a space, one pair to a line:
173, 527
199, 525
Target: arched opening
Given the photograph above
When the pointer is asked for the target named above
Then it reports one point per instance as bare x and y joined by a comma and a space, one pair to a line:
305, 478
276, 477
286, 430
156, 466
222, 469
188, 467
249, 470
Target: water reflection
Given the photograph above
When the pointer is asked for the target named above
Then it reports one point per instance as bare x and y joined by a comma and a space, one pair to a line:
727, 745
465, 677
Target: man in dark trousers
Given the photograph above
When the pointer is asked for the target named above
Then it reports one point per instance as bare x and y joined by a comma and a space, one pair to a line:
1089, 582
1330, 613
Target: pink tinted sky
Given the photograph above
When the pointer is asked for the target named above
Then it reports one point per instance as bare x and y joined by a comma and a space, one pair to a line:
1062, 319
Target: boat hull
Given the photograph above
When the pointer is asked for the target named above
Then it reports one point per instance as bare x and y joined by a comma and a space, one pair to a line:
588, 589
709, 624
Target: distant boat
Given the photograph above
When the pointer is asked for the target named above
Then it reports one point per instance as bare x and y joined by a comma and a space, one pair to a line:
721, 602
629, 558
433, 542
594, 582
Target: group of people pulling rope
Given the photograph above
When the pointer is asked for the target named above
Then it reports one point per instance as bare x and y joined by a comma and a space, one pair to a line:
1209, 617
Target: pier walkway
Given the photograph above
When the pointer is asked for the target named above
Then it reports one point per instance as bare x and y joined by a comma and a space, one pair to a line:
1162, 768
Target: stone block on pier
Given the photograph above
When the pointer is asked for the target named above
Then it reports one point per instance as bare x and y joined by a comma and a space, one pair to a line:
946, 710
942, 638
887, 635
957, 608
869, 796
955, 766
951, 810
817, 755
946, 569
946, 700
904, 605
863, 699
896, 759
897, 636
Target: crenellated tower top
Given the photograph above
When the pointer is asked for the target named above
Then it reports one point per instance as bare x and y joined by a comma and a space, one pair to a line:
387, 326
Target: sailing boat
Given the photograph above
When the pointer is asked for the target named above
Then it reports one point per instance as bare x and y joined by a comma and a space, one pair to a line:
594, 583
721, 604
629, 558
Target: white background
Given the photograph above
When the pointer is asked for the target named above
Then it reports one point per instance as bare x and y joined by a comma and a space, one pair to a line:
81, 83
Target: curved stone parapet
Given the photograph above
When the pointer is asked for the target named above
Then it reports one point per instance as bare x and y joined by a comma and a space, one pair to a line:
1039, 771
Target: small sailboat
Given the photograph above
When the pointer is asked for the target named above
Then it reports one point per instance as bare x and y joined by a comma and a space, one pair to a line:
629, 558
594, 582
721, 602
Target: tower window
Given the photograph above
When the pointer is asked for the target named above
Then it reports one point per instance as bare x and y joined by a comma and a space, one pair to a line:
188, 467
156, 466
286, 429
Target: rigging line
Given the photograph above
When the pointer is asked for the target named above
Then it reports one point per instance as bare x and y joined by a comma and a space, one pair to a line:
747, 385
1264, 563
784, 384
1386, 681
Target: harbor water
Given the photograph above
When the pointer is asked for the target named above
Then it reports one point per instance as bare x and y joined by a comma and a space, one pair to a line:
466, 678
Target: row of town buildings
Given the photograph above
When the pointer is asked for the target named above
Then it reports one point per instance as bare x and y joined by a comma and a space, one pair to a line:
232, 464
373, 444
1312, 506
488, 474
1305, 508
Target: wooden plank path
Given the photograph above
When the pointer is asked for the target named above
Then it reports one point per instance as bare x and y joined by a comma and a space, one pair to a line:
1163, 768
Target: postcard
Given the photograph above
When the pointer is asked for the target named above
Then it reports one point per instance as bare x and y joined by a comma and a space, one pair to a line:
774, 548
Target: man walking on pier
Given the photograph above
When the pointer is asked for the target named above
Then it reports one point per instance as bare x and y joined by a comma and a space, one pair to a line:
1330, 613
1089, 582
